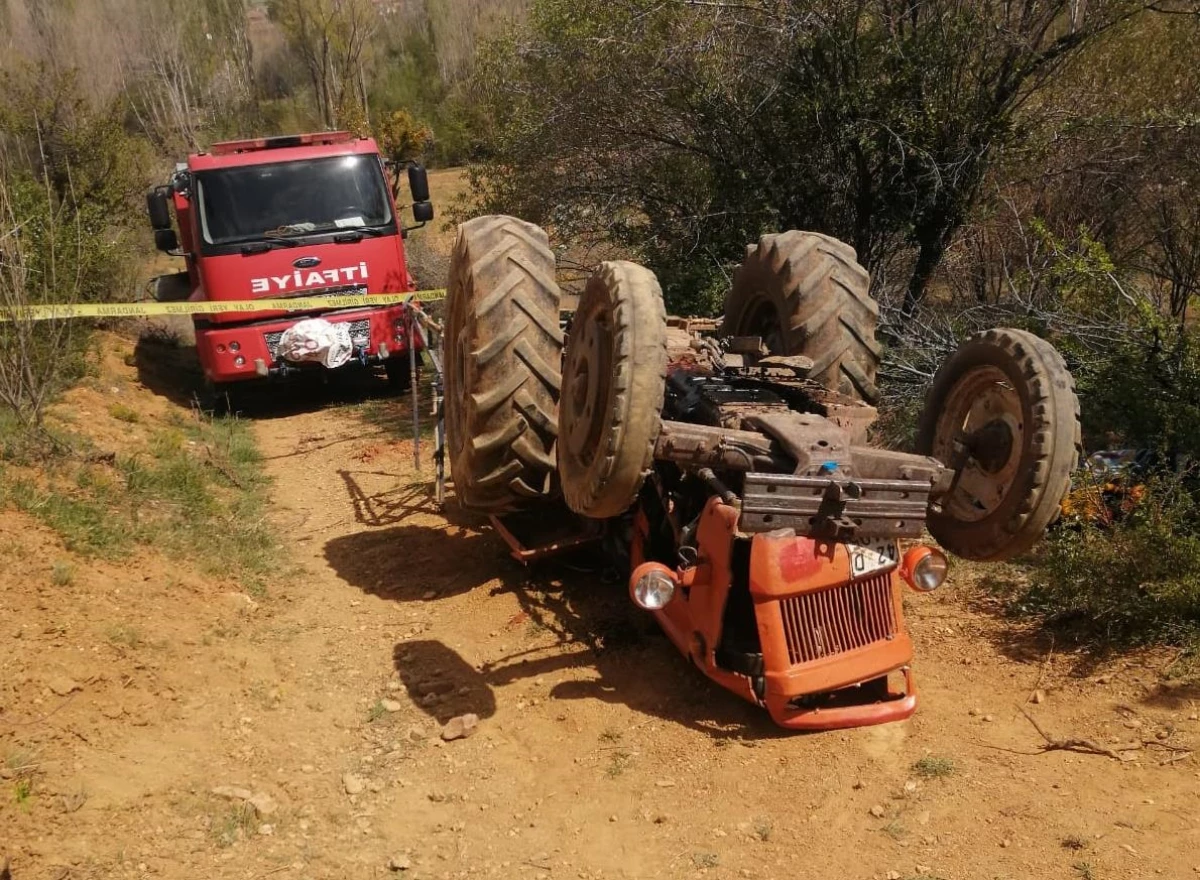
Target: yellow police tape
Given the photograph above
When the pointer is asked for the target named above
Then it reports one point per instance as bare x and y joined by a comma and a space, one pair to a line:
55, 311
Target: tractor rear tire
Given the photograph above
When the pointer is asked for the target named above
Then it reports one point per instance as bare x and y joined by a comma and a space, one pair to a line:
805, 294
614, 381
1002, 412
503, 350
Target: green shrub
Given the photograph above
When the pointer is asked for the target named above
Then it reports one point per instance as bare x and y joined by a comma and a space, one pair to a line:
71, 184
1136, 581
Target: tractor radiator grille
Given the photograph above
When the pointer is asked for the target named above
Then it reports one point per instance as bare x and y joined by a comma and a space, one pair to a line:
360, 336
839, 619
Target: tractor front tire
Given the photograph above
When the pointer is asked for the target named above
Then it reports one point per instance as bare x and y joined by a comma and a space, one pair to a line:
1002, 413
806, 294
614, 381
503, 351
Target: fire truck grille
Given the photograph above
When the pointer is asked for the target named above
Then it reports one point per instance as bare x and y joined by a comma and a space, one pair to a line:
360, 336
839, 619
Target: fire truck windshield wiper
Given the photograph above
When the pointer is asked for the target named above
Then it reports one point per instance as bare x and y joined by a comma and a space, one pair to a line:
357, 234
263, 245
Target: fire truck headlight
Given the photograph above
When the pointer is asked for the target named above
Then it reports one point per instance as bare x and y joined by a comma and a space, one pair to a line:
235, 346
924, 568
239, 361
652, 586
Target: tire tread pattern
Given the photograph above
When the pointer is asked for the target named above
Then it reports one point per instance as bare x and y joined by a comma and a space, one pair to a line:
1054, 450
610, 483
821, 296
502, 326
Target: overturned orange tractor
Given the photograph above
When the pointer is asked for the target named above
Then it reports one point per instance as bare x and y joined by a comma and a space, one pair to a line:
727, 468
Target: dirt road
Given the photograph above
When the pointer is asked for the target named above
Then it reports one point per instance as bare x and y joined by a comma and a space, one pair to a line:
142, 704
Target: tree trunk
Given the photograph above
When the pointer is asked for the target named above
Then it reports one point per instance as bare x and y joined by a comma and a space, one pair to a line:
931, 244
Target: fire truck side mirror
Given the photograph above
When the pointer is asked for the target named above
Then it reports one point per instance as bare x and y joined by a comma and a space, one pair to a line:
156, 207
166, 240
422, 211
418, 183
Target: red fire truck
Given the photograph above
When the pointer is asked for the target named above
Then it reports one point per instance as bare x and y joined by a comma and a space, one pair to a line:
311, 215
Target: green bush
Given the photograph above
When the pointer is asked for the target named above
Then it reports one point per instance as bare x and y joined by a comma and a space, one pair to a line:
1136, 581
71, 184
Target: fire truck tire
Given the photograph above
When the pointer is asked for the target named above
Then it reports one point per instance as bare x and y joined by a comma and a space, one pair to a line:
614, 380
399, 372
1002, 412
503, 350
806, 294
217, 397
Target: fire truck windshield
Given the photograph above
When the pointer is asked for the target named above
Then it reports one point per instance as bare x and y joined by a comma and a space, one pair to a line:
282, 199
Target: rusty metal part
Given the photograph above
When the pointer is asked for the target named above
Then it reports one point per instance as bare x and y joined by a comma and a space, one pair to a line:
713, 482
825, 506
796, 364
536, 534
812, 441
747, 345
692, 353
853, 418
885, 464
705, 446
705, 399
810, 471
986, 411
693, 325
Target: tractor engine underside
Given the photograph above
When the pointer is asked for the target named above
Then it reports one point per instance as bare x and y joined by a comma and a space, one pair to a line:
792, 452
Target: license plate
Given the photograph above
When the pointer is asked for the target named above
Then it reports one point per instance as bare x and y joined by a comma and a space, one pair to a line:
872, 556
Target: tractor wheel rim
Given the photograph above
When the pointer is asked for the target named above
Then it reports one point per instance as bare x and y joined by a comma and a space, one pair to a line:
980, 432
589, 390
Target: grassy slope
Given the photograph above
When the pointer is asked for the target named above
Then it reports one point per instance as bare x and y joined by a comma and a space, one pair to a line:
129, 472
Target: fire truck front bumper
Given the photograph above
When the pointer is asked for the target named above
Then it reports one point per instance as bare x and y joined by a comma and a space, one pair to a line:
246, 352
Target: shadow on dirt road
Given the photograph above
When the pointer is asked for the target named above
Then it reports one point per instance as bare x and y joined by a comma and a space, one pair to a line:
593, 625
441, 682
407, 563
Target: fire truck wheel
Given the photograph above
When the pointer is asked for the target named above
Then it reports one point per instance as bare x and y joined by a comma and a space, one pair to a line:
1002, 413
503, 350
614, 380
217, 398
805, 294
399, 372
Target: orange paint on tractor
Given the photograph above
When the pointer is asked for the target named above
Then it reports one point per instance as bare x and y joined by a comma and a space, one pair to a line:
830, 643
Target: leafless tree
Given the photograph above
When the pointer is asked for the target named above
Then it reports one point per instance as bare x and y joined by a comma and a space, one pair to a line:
333, 38
39, 263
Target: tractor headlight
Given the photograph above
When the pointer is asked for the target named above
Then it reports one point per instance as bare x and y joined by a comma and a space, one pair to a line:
652, 586
924, 569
